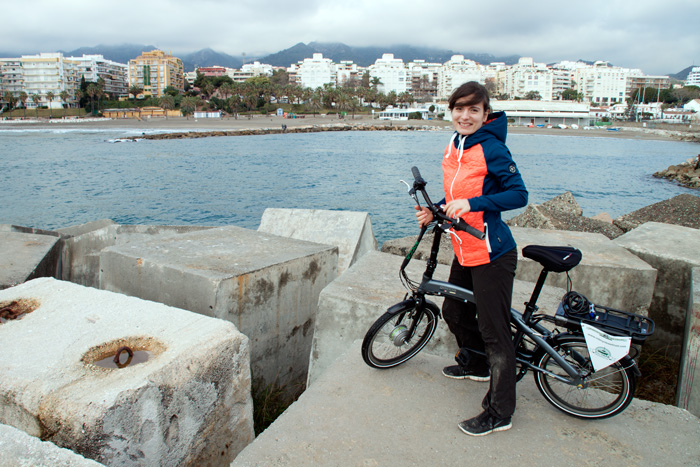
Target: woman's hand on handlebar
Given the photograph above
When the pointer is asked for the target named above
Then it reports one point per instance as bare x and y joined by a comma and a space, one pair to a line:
457, 208
423, 215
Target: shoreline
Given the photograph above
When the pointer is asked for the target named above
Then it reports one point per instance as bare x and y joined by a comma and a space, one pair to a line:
228, 126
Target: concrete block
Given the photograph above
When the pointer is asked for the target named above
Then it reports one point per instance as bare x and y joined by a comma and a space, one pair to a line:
354, 415
25, 256
350, 304
19, 449
268, 286
82, 244
608, 274
189, 403
689, 378
673, 250
351, 232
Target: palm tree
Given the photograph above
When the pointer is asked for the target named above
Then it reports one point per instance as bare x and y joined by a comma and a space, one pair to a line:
64, 95
188, 106
100, 91
78, 95
23, 96
10, 99
50, 96
168, 103
92, 92
135, 91
36, 98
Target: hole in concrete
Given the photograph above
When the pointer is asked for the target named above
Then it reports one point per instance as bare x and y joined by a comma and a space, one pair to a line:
124, 353
17, 309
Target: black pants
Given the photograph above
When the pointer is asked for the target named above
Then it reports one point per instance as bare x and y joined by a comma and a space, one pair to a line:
492, 284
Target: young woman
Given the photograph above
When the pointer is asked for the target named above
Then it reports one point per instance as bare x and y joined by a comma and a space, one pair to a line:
481, 181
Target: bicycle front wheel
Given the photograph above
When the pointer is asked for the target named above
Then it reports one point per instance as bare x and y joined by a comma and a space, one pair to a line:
604, 393
399, 334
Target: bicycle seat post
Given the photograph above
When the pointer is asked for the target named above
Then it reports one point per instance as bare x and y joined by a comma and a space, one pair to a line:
531, 305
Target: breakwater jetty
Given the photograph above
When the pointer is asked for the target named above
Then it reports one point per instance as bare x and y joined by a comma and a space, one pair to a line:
219, 308
284, 129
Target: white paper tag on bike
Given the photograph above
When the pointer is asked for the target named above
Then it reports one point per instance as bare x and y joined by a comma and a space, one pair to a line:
603, 348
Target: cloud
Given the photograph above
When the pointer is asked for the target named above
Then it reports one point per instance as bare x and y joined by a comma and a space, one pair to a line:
658, 38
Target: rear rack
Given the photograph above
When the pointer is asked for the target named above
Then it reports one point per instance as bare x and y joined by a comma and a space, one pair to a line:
609, 320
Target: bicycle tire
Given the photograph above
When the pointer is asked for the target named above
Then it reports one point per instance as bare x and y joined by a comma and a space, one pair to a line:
606, 393
385, 344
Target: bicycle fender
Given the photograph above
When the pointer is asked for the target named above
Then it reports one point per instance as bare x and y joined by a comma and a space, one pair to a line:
411, 303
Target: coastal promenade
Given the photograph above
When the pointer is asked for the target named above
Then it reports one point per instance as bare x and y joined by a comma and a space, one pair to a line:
259, 122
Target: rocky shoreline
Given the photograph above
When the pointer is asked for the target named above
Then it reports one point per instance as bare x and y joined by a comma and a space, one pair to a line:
685, 174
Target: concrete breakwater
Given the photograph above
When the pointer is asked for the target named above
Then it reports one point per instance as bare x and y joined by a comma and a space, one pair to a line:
286, 290
283, 129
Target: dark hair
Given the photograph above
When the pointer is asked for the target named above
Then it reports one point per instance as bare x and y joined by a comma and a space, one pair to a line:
476, 92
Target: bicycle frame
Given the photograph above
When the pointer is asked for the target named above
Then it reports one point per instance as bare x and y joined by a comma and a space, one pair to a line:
523, 323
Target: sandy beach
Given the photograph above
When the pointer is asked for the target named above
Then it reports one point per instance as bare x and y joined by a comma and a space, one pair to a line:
259, 122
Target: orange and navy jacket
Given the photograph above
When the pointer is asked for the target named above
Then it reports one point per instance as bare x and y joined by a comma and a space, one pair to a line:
480, 168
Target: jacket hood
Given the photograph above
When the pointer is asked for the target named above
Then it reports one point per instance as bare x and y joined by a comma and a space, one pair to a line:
495, 127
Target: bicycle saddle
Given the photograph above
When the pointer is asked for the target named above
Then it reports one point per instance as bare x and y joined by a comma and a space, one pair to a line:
554, 258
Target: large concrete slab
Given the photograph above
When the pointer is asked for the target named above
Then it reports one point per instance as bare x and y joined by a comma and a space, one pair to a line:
689, 378
350, 231
608, 274
268, 286
18, 449
350, 304
25, 256
189, 403
673, 250
82, 244
354, 415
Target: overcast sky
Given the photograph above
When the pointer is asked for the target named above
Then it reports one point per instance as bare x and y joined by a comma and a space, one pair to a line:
658, 37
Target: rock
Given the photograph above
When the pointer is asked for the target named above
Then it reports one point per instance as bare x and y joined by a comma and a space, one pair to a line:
603, 217
685, 174
680, 210
563, 213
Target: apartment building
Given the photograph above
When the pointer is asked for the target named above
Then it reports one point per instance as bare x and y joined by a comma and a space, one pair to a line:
154, 71
423, 78
693, 78
526, 77
455, 72
48, 73
114, 74
602, 83
315, 72
347, 72
392, 74
11, 77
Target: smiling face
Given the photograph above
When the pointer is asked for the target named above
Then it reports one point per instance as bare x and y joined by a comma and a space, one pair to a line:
468, 118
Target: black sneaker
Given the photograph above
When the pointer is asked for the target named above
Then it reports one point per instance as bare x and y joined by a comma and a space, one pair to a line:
484, 424
459, 372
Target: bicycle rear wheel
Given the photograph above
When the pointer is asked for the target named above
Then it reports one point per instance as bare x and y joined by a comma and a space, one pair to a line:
399, 334
605, 393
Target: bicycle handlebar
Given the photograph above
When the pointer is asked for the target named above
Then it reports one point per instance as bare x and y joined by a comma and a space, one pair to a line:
455, 223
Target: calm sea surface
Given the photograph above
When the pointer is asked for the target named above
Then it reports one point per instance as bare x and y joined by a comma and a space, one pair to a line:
59, 178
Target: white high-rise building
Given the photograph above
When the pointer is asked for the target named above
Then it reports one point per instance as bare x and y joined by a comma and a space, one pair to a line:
423, 79
693, 78
456, 72
315, 72
392, 74
48, 72
94, 67
602, 83
527, 77
11, 77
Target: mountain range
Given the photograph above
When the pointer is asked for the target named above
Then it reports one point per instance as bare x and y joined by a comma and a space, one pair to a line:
362, 56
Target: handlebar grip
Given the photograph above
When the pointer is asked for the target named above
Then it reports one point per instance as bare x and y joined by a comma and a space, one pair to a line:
461, 225
417, 176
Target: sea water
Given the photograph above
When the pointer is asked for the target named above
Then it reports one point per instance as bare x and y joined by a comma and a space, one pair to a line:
59, 178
